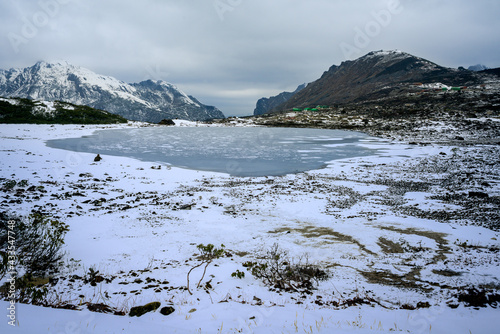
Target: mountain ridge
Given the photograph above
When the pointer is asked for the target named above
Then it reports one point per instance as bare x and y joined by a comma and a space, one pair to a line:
267, 104
375, 75
149, 101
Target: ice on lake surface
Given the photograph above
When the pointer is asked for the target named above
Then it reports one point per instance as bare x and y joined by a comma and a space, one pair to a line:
239, 151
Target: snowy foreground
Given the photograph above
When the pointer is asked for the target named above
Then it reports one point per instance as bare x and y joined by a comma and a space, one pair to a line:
374, 223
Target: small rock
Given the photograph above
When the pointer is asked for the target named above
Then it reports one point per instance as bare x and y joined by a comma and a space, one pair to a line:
97, 158
407, 307
166, 122
187, 206
423, 305
257, 300
167, 310
478, 194
138, 311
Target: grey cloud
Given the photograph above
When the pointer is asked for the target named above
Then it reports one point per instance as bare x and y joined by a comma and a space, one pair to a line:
232, 55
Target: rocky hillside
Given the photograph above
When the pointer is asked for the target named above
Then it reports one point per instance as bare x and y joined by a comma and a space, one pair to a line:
492, 71
149, 101
267, 104
18, 110
376, 75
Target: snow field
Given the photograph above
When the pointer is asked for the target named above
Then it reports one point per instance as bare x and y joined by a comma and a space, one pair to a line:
140, 232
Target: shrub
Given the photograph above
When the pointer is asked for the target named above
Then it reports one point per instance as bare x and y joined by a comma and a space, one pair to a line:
32, 244
238, 274
9, 184
208, 254
93, 277
276, 269
28, 289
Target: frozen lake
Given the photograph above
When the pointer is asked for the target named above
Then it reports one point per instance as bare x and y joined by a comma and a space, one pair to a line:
239, 151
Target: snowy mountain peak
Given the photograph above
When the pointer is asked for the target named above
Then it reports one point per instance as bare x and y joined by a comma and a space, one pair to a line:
388, 53
396, 59
478, 67
149, 101
43, 63
158, 84
383, 56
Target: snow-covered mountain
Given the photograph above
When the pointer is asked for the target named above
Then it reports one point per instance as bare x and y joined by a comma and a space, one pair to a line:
478, 67
149, 101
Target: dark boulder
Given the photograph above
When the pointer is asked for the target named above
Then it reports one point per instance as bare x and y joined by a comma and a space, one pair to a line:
478, 194
138, 311
166, 122
167, 310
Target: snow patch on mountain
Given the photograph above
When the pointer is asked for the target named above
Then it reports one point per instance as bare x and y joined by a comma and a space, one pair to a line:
46, 107
436, 85
390, 56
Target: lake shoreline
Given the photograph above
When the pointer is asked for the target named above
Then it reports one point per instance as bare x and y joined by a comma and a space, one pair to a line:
238, 151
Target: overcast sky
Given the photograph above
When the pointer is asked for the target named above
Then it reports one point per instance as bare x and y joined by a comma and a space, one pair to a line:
229, 53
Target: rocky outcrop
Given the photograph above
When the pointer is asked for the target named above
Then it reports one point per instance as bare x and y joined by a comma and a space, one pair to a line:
267, 104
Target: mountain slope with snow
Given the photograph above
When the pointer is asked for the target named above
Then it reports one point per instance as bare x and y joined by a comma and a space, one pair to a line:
149, 101
18, 110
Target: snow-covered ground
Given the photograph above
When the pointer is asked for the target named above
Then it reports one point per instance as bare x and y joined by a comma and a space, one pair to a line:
374, 223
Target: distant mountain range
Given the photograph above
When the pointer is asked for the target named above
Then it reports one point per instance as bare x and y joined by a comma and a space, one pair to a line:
267, 104
478, 67
148, 101
376, 75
